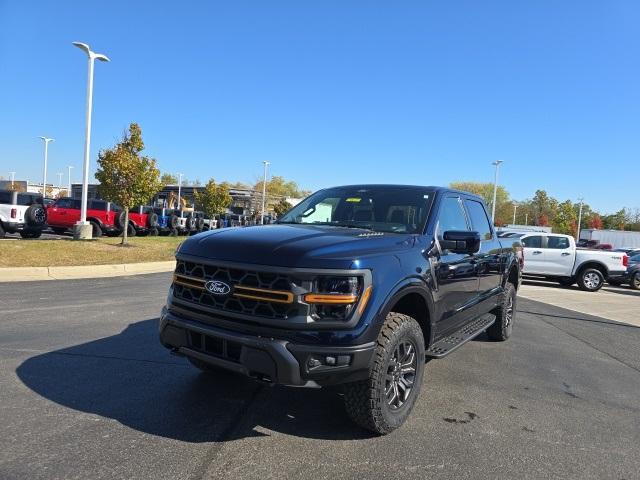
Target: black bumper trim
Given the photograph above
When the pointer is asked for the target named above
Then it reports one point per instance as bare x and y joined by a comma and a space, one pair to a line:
270, 359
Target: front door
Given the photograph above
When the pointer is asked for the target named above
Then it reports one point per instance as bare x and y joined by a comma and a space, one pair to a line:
489, 258
534, 258
455, 272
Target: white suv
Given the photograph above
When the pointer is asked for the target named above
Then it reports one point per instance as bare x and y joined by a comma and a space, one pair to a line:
21, 213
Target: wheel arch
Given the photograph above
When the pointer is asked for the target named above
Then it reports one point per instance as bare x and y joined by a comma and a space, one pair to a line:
413, 299
596, 265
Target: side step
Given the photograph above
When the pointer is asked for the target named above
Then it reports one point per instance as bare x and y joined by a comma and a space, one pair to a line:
448, 344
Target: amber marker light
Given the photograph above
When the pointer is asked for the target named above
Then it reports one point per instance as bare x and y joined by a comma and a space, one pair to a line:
330, 299
365, 298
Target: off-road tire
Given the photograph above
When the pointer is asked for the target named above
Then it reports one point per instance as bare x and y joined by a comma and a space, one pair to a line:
131, 230
365, 401
587, 280
173, 232
152, 220
174, 221
635, 281
120, 219
2, 232
203, 366
505, 315
96, 231
153, 232
31, 234
200, 224
36, 215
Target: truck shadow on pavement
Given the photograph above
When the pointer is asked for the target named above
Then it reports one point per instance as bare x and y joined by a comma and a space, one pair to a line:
130, 378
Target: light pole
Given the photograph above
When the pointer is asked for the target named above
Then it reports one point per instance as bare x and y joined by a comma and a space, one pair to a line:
526, 219
69, 167
515, 207
495, 190
92, 56
46, 155
581, 200
264, 189
60, 174
179, 192
13, 176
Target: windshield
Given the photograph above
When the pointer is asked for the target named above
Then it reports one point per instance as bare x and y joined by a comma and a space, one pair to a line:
380, 208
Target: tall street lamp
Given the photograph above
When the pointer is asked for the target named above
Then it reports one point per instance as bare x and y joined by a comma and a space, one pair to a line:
581, 200
60, 174
179, 192
69, 167
264, 189
46, 155
92, 56
495, 190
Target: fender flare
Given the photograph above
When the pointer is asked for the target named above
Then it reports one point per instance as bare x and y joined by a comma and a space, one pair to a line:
405, 287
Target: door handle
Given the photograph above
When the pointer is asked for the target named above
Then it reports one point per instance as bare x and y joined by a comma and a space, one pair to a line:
564, 254
537, 252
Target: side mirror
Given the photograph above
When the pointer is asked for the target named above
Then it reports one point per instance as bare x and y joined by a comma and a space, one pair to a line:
461, 241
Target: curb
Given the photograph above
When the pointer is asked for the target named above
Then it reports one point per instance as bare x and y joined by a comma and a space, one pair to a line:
30, 274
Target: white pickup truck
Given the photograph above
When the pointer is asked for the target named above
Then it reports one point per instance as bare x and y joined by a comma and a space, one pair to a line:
556, 257
21, 213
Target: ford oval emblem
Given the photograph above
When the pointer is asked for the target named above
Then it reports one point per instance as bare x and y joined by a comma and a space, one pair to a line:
217, 287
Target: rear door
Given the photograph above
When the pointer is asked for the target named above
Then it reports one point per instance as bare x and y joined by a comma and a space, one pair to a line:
559, 256
533, 254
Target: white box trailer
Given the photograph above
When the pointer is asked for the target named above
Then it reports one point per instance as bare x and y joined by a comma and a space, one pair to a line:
617, 238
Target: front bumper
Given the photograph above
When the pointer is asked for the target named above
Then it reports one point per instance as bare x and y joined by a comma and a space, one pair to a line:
267, 359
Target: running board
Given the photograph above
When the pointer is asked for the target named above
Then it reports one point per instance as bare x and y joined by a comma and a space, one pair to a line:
470, 331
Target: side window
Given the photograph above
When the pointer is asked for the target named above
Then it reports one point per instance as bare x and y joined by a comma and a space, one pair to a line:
451, 216
479, 220
64, 203
5, 197
532, 242
558, 242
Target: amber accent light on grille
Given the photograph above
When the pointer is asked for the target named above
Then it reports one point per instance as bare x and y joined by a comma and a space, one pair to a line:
276, 296
190, 282
239, 291
330, 299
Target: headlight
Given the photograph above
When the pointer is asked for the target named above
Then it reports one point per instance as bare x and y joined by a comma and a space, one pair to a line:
334, 298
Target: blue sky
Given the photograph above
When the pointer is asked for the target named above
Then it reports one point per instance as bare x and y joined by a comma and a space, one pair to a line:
335, 92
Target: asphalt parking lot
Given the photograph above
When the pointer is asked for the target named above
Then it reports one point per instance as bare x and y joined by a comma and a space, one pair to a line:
86, 391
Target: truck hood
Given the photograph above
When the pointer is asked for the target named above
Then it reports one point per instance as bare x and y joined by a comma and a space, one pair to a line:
303, 246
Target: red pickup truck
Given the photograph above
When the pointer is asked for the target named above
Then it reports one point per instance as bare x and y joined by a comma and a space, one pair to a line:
65, 213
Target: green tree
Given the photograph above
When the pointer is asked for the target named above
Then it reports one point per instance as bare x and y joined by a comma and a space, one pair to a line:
279, 187
566, 219
504, 205
168, 179
127, 177
213, 199
281, 207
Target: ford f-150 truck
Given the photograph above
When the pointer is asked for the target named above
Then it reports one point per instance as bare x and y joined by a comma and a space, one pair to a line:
555, 256
355, 285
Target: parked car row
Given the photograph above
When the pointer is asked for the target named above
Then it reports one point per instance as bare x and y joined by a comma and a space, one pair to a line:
26, 214
556, 257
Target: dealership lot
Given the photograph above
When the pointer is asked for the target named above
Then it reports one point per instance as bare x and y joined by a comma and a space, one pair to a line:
86, 391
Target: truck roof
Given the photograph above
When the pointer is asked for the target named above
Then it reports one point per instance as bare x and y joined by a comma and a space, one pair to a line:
403, 186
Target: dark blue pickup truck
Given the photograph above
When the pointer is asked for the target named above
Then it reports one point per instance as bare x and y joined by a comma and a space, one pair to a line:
355, 285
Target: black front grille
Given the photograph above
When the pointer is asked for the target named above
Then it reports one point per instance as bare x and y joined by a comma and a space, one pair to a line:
192, 291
